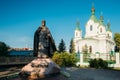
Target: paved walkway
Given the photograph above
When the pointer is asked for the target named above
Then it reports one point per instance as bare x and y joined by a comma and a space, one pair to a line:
9, 71
92, 74
86, 74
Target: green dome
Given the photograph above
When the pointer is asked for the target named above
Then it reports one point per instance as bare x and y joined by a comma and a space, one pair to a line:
101, 23
93, 17
77, 24
108, 27
77, 28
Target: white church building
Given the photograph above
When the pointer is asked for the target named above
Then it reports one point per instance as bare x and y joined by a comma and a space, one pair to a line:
98, 36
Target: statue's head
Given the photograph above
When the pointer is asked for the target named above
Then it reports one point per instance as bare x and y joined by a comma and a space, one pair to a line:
43, 23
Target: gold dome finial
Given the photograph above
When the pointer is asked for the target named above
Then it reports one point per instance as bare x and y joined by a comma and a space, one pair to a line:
108, 24
78, 23
93, 9
101, 17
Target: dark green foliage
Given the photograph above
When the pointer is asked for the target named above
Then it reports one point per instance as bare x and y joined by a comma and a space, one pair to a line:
117, 41
103, 64
72, 47
94, 63
3, 49
116, 49
62, 47
98, 63
64, 59
111, 61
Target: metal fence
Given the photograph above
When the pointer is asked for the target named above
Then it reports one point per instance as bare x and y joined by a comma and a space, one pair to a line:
15, 60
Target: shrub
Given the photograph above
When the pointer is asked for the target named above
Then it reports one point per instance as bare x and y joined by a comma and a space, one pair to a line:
103, 64
64, 59
94, 63
111, 61
3, 49
98, 63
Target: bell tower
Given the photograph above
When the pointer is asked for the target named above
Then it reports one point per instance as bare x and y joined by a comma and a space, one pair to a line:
78, 31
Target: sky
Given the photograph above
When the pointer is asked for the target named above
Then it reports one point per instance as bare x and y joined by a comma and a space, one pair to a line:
19, 19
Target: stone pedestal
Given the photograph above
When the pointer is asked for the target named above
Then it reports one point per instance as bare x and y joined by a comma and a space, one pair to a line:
40, 68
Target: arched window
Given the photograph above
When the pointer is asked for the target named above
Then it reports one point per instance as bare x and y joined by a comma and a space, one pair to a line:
91, 27
82, 48
76, 34
100, 30
90, 49
108, 35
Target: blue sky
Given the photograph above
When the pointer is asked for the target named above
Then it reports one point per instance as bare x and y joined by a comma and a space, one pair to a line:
19, 19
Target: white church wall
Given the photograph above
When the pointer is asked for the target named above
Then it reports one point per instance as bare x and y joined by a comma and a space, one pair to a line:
78, 35
102, 46
101, 29
110, 45
93, 31
89, 42
109, 35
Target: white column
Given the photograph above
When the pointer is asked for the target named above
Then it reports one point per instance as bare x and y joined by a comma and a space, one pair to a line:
117, 58
81, 58
108, 57
97, 55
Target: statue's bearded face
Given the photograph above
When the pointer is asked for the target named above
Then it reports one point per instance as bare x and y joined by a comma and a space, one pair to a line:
43, 23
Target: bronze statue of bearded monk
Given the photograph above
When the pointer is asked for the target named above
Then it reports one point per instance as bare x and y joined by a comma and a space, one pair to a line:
43, 42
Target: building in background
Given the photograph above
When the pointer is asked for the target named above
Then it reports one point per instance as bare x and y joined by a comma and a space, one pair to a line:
98, 36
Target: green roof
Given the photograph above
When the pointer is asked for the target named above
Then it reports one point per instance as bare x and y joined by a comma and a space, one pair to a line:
93, 17
78, 28
109, 30
108, 27
101, 23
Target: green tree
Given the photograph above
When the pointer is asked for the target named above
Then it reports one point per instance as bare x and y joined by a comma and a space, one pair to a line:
117, 39
62, 47
72, 46
3, 49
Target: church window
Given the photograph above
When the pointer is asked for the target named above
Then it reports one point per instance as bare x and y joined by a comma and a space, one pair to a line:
82, 48
91, 27
100, 30
90, 49
76, 34
108, 35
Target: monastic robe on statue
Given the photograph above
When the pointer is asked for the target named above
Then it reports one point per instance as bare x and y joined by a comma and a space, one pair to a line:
43, 41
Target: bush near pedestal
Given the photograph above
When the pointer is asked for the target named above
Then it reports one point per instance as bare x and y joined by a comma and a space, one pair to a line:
64, 59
